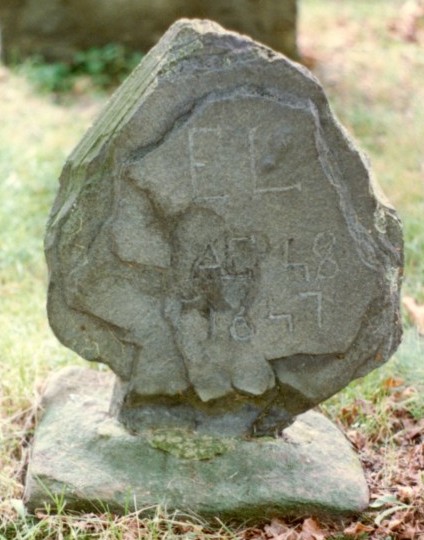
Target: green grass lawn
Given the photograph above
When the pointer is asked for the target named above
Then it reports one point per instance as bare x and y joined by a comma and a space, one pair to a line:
375, 83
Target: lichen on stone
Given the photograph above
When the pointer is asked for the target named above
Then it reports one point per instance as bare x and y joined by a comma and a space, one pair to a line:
186, 445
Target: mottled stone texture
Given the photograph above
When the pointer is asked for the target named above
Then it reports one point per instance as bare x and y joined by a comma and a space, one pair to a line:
59, 28
218, 242
86, 459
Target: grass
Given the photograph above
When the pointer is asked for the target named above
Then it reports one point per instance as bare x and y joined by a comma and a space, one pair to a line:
375, 83
97, 67
105, 526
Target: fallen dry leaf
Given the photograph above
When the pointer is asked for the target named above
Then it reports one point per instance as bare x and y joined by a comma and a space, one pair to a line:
415, 312
392, 382
311, 530
277, 530
357, 528
357, 438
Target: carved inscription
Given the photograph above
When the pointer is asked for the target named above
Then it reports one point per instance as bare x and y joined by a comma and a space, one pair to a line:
241, 329
226, 272
204, 145
299, 269
242, 255
266, 164
317, 299
323, 249
226, 276
211, 154
209, 260
285, 318
322, 266
221, 280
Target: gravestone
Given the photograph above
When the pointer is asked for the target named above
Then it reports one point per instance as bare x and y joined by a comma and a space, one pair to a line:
218, 242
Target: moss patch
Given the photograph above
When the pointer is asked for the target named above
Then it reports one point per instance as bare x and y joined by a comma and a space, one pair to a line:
185, 445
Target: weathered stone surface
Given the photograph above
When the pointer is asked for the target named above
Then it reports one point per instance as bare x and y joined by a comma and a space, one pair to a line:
85, 457
57, 29
218, 242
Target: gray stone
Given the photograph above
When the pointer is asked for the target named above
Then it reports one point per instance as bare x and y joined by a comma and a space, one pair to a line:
82, 456
217, 241
57, 29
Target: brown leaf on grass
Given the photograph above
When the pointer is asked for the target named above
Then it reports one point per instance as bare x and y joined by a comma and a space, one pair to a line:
311, 530
357, 438
358, 408
348, 415
277, 530
357, 528
413, 430
392, 382
415, 312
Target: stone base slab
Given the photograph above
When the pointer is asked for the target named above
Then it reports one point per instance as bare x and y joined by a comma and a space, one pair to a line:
84, 456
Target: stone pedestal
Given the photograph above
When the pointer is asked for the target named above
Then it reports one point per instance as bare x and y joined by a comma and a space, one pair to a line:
83, 455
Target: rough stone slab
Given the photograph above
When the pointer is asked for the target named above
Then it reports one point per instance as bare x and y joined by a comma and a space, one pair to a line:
84, 455
219, 242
